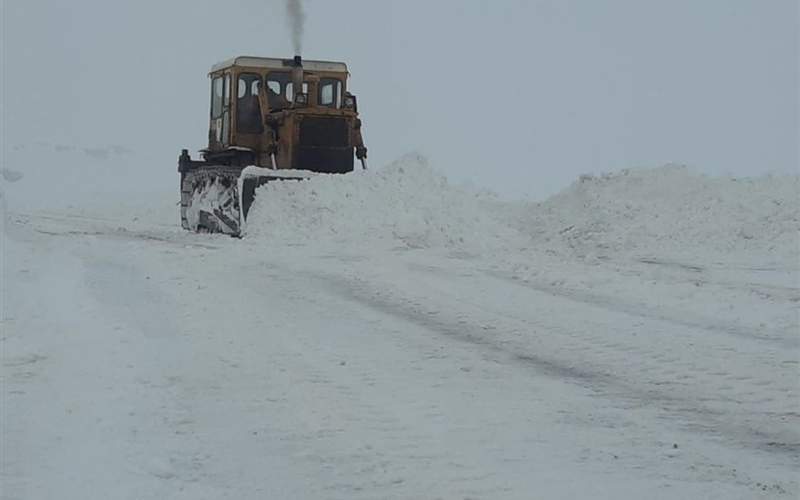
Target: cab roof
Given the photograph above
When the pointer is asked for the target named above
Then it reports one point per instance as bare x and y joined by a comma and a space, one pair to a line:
275, 63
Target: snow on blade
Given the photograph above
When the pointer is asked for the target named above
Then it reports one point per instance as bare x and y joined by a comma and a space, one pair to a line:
254, 172
406, 204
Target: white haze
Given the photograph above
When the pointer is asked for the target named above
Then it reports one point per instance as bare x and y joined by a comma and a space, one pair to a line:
517, 96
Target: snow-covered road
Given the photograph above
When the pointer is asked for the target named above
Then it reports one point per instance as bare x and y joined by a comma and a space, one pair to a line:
150, 363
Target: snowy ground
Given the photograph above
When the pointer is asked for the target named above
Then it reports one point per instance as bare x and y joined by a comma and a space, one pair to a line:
386, 335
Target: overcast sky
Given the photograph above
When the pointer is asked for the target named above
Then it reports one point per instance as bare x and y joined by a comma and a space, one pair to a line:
520, 96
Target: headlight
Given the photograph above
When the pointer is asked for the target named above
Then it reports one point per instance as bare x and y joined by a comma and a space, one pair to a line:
301, 99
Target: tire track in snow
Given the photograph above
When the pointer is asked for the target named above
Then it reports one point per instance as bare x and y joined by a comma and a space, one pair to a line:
410, 397
78, 227
779, 338
380, 433
749, 351
696, 413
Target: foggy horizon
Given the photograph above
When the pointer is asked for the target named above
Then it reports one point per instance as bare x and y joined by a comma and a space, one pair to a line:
560, 88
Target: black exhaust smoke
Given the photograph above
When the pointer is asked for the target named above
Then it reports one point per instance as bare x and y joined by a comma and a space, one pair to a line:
297, 20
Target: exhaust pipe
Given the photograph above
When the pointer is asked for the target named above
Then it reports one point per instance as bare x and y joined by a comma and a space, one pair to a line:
297, 76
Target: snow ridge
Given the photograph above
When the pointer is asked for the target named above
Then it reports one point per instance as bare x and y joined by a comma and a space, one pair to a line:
406, 204
670, 211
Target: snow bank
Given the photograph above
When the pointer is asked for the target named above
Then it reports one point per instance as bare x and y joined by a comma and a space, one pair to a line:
670, 211
405, 204
667, 212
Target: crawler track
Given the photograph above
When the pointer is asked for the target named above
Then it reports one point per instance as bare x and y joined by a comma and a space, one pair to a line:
210, 201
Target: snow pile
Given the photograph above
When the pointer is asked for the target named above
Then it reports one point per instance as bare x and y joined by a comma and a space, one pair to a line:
406, 204
670, 211
666, 212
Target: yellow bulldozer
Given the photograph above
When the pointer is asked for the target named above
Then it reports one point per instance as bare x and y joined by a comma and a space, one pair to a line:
271, 120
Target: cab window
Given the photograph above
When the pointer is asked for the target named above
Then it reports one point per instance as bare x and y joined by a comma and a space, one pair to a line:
280, 89
216, 97
330, 92
290, 90
226, 110
277, 84
274, 86
248, 109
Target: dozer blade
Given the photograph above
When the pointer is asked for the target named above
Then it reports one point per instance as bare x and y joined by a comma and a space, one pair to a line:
217, 199
253, 177
210, 201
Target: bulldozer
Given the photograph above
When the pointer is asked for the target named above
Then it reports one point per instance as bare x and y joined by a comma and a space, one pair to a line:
271, 119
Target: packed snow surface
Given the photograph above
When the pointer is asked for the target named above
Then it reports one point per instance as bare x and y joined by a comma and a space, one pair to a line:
386, 334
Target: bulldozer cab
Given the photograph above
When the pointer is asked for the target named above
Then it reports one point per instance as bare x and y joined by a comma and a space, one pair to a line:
287, 113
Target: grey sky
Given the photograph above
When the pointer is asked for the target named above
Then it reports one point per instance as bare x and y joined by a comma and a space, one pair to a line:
517, 96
